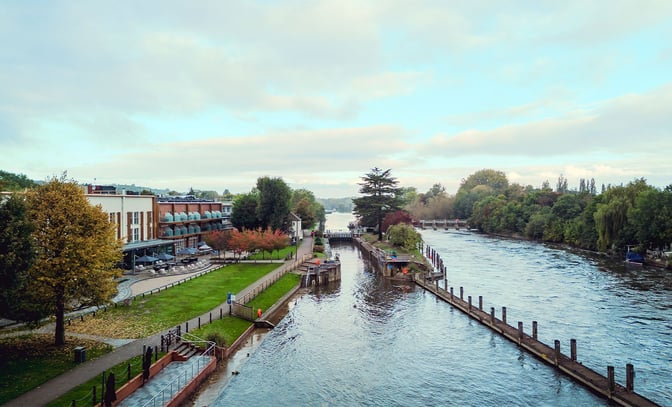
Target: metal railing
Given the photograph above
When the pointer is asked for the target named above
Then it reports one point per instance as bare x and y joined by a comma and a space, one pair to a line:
187, 374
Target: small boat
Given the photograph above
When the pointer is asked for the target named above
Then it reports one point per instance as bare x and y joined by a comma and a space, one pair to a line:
634, 258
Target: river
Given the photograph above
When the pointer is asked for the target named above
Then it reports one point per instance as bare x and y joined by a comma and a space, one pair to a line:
370, 342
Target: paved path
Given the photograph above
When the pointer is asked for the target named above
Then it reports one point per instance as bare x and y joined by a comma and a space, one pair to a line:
60, 385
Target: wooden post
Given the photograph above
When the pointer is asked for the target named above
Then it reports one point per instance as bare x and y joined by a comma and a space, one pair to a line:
220, 313
451, 293
186, 328
480, 303
461, 293
492, 315
557, 352
128, 372
504, 315
629, 378
94, 395
534, 330
211, 317
610, 379
469, 297
199, 322
520, 332
572, 351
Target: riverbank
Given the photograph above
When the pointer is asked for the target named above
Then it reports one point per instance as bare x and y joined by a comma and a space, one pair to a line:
208, 391
651, 259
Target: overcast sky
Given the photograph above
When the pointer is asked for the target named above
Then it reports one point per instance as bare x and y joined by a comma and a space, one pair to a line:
215, 94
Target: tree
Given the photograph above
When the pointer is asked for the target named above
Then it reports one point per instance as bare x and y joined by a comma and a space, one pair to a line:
396, 218
280, 240
405, 236
477, 186
561, 186
611, 217
304, 209
273, 208
219, 240
244, 211
305, 205
381, 196
651, 217
13, 182
76, 250
17, 256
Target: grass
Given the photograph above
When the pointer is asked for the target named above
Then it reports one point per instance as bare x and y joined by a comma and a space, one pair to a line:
372, 238
229, 329
223, 331
276, 255
30, 360
272, 294
159, 311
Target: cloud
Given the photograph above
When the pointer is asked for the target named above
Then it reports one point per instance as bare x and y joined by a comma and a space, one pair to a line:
635, 123
308, 157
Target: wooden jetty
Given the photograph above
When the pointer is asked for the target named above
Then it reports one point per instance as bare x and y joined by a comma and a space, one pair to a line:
597, 383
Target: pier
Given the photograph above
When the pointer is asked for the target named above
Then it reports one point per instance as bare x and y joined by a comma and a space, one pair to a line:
604, 386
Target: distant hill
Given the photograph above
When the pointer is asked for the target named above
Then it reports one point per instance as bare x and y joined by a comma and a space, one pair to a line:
336, 204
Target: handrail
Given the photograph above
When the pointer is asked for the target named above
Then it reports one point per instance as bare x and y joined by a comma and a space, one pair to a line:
185, 337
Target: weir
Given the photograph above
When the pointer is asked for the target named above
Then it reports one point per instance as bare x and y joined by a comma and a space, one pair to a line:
604, 386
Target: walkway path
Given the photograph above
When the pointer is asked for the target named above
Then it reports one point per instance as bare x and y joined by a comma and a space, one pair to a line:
84, 372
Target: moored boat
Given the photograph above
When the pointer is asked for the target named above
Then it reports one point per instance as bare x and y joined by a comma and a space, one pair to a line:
634, 258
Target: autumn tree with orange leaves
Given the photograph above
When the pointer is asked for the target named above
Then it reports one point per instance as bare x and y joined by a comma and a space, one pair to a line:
76, 251
251, 240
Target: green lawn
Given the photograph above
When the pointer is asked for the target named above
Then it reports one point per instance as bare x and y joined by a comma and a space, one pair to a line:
173, 306
276, 255
30, 360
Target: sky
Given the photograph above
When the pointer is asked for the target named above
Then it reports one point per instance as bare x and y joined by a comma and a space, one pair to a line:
212, 95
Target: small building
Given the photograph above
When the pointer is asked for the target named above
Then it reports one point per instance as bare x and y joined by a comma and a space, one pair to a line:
296, 232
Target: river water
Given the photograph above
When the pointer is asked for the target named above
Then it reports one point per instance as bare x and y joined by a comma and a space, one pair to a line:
368, 341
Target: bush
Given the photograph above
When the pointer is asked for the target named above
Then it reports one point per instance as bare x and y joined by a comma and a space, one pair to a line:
217, 338
405, 236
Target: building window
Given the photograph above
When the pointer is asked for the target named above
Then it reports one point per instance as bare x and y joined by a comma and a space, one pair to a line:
136, 218
136, 234
112, 217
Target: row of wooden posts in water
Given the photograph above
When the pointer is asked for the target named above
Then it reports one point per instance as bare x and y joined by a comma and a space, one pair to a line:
597, 383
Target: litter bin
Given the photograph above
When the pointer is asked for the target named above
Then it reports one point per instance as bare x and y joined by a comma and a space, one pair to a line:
80, 354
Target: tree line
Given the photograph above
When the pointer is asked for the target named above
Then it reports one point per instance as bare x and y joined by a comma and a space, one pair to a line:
635, 215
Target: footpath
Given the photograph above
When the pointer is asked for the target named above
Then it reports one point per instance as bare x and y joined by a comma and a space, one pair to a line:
58, 386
